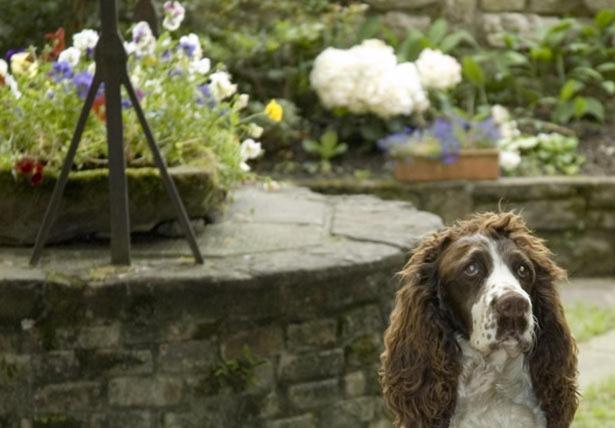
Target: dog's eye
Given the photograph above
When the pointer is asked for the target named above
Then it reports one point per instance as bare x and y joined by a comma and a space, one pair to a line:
523, 271
472, 269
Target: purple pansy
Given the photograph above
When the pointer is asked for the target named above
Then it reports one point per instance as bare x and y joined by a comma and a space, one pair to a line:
61, 70
205, 97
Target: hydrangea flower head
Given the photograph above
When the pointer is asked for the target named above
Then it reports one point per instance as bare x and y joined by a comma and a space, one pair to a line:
174, 14
437, 70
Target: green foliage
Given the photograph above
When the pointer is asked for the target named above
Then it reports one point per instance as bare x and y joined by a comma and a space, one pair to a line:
587, 321
39, 124
546, 154
596, 409
566, 74
326, 148
236, 374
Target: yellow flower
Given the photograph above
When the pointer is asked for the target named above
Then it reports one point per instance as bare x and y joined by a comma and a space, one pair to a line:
274, 111
22, 63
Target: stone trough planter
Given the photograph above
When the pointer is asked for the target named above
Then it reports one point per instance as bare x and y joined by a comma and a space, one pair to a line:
85, 207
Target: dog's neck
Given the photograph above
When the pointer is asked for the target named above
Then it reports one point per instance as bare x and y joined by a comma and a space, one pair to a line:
495, 390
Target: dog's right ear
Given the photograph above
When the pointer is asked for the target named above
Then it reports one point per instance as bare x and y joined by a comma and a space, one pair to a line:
420, 364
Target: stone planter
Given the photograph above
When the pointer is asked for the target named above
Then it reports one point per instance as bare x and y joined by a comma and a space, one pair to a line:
480, 164
85, 206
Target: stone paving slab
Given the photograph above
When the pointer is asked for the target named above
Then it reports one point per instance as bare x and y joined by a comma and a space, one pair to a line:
595, 291
260, 233
597, 359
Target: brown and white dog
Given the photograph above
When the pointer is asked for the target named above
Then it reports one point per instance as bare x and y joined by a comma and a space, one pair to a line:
477, 337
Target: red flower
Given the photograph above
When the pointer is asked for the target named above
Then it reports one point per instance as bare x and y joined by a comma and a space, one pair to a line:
100, 108
37, 178
25, 166
58, 43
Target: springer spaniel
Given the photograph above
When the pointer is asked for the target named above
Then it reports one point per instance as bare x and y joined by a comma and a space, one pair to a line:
477, 337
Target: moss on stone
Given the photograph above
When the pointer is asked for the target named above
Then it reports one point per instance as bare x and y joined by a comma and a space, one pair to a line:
55, 421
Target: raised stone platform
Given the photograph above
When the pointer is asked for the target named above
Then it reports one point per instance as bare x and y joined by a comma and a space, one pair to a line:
576, 215
281, 327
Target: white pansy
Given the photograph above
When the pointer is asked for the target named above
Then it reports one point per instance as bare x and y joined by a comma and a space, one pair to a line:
201, 66
23, 64
242, 101
250, 149
509, 160
255, 131
4, 68
500, 114
71, 56
191, 44
221, 86
438, 70
85, 39
12, 84
244, 167
174, 14
143, 40
367, 79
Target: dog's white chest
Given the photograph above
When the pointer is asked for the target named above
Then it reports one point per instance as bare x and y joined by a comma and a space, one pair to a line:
495, 392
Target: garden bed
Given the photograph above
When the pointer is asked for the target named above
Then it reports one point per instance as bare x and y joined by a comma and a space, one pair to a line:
85, 208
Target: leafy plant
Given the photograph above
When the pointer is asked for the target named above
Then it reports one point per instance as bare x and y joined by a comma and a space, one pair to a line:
326, 148
236, 374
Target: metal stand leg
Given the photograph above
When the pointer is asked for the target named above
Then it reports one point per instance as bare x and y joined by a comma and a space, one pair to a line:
166, 178
58, 190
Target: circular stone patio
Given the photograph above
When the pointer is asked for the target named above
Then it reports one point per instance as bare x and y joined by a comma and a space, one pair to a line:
280, 327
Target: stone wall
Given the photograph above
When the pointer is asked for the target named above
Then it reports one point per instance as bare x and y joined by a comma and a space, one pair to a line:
575, 215
485, 18
282, 327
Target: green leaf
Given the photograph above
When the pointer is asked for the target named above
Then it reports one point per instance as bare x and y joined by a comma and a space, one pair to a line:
329, 139
311, 146
580, 106
473, 71
541, 53
609, 87
411, 47
606, 67
570, 89
604, 18
341, 149
586, 74
563, 113
437, 31
370, 28
595, 108
515, 58
453, 40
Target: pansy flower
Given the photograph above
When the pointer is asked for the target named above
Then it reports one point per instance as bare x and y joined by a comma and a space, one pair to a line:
191, 45
174, 14
61, 70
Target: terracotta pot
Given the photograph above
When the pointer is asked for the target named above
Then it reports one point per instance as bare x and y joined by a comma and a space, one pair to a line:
472, 164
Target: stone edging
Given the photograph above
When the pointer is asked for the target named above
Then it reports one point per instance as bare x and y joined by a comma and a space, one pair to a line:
575, 214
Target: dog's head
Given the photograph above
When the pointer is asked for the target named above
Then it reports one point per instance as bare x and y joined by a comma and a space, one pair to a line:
490, 281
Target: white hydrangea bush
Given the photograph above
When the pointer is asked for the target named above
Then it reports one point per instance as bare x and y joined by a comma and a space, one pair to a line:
368, 79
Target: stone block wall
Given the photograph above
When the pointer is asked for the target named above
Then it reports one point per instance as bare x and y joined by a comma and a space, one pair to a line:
486, 18
576, 215
292, 351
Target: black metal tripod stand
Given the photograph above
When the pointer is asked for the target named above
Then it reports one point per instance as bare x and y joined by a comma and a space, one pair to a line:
111, 69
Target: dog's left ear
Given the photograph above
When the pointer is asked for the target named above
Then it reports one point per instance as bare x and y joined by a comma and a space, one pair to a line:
553, 361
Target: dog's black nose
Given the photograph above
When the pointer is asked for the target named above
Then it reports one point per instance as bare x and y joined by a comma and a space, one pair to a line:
512, 305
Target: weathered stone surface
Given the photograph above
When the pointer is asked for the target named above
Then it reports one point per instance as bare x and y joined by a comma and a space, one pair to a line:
461, 12
601, 219
355, 384
263, 342
303, 421
68, 397
103, 336
161, 343
502, 5
554, 7
87, 191
187, 356
320, 333
494, 24
349, 413
596, 5
400, 4
137, 391
297, 368
307, 396
401, 22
